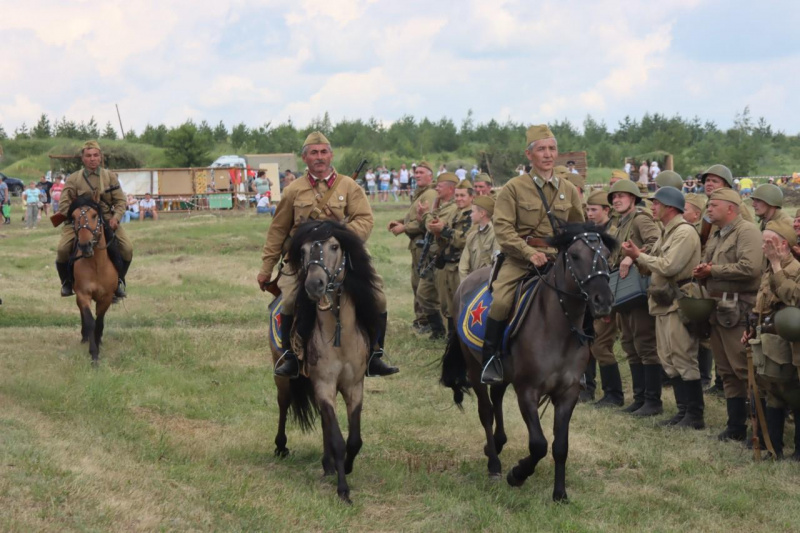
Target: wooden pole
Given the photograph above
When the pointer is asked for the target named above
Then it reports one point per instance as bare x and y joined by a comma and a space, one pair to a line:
120, 121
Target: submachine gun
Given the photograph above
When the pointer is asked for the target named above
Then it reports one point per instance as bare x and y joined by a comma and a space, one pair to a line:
424, 265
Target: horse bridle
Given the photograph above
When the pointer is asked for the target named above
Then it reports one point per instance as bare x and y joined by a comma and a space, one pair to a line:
333, 287
84, 216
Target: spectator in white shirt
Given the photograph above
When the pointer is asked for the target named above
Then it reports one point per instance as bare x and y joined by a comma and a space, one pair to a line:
461, 173
132, 211
147, 208
571, 167
404, 180
264, 206
369, 178
386, 180
628, 168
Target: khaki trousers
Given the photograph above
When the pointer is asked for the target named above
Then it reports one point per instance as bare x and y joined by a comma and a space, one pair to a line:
730, 356
419, 313
605, 335
426, 294
67, 243
676, 348
638, 337
504, 287
447, 280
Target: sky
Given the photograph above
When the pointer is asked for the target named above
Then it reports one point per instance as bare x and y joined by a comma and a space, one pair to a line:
259, 61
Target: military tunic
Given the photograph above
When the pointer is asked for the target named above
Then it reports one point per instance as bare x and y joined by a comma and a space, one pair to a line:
479, 250
445, 213
112, 202
453, 240
777, 217
736, 257
519, 213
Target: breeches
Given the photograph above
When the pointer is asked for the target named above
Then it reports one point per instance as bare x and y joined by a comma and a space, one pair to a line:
288, 284
730, 357
503, 289
447, 280
426, 295
416, 251
605, 333
676, 348
67, 243
638, 331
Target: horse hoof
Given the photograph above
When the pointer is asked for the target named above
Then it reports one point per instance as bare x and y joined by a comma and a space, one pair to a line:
282, 453
495, 477
345, 498
328, 473
512, 480
560, 497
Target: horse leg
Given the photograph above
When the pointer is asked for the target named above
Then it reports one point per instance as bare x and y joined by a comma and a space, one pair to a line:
353, 399
564, 406
333, 435
328, 464
537, 443
284, 401
497, 393
88, 326
486, 415
100, 322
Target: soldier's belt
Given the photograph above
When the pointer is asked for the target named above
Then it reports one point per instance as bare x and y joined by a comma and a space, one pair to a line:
747, 297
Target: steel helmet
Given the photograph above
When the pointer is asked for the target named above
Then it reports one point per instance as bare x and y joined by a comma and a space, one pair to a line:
787, 323
668, 178
719, 170
625, 186
697, 309
671, 196
769, 194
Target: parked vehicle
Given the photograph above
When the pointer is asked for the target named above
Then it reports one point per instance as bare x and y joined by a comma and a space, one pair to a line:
15, 186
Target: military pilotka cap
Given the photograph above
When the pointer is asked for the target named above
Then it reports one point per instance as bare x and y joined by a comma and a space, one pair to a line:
598, 197
465, 184
316, 138
447, 177
90, 145
425, 164
561, 170
784, 229
619, 174
485, 202
483, 177
696, 200
728, 195
537, 133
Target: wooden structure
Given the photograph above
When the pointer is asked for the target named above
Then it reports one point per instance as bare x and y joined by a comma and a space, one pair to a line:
664, 159
581, 165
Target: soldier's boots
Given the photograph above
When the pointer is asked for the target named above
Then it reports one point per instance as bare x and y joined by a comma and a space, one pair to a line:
437, 326
776, 418
681, 400
612, 387
652, 392
736, 429
492, 373
704, 361
288, 366
120, 292
376, 366
695, 405
66, 281
637, 378
717, 388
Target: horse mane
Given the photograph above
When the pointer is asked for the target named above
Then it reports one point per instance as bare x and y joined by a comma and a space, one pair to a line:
84, 200
567, 233
360, 281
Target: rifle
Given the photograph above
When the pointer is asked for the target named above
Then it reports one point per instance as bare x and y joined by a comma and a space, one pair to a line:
359, 169
426, 248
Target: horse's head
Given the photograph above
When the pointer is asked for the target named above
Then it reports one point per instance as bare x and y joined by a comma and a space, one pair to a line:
87, 222
323, 263
585, 249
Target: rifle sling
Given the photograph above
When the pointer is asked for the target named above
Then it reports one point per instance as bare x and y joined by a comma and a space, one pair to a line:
322, 202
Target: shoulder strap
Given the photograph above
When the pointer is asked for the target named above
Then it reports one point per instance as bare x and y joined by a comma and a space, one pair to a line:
322, 202
546, 206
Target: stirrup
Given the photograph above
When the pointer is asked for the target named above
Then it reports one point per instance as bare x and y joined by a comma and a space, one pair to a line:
492, 373
384, 369
285, 360
66, 289
120, 292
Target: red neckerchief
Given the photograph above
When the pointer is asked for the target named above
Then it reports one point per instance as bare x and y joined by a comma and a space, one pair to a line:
329, 182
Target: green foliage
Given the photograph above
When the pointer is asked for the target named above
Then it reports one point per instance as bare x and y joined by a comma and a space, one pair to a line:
220, 133
239, 136
109, 132
42, 128
156, 136
188, 146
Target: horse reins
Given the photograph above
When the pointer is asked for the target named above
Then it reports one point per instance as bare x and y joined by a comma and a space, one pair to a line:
333, 289
84, 216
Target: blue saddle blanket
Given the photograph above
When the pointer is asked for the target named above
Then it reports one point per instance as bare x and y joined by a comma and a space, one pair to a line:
274, 312
471, 325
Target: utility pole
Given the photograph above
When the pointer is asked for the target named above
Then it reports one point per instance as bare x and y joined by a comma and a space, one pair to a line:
120, 121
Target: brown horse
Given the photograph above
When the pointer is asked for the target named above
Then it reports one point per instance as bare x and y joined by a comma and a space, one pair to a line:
94, 272
548, 356
336, 323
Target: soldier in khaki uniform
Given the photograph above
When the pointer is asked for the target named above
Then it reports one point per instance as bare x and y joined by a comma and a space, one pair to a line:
415, 231
768, 204
731, 271
483, 185
617, 175
520, 213
436, 221
481, 245
670, 264
598, 210
669, 178
637, 327
300, 202
451, 240
91, 179
718, 177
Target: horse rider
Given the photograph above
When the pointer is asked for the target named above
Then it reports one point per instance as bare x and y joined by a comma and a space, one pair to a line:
768, 204
415, 231
92, 179
670, 264
524, 214
731, 272
637, 327
322, 194
481, 245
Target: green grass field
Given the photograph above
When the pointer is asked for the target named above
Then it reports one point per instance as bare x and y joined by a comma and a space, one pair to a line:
174, 431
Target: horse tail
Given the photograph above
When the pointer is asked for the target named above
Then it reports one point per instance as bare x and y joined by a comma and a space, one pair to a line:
454, 370
303, 403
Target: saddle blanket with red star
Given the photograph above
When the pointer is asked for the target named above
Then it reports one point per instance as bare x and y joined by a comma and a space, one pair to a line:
274, 313
471, 324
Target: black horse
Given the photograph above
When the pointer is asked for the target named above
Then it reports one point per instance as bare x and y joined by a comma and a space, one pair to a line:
548, 356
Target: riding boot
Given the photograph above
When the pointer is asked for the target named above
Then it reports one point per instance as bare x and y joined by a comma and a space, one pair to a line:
704, 361
637, 377
589, 382
612, 387
652, 392
66, 281
289, 366
492, 352
796, 454
681, 400
120, 293
737, 420
776, 418
695, 405
376, 366
437, 326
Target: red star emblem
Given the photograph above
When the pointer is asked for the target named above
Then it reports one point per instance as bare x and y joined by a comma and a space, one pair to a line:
477, 314
278, 321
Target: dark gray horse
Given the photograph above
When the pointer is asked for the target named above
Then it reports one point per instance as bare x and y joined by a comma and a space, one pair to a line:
548, 355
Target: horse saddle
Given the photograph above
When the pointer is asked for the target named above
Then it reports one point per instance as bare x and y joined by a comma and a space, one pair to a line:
274, 312
471, 324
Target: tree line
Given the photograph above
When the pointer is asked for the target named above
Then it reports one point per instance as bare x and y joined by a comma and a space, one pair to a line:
495, 145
